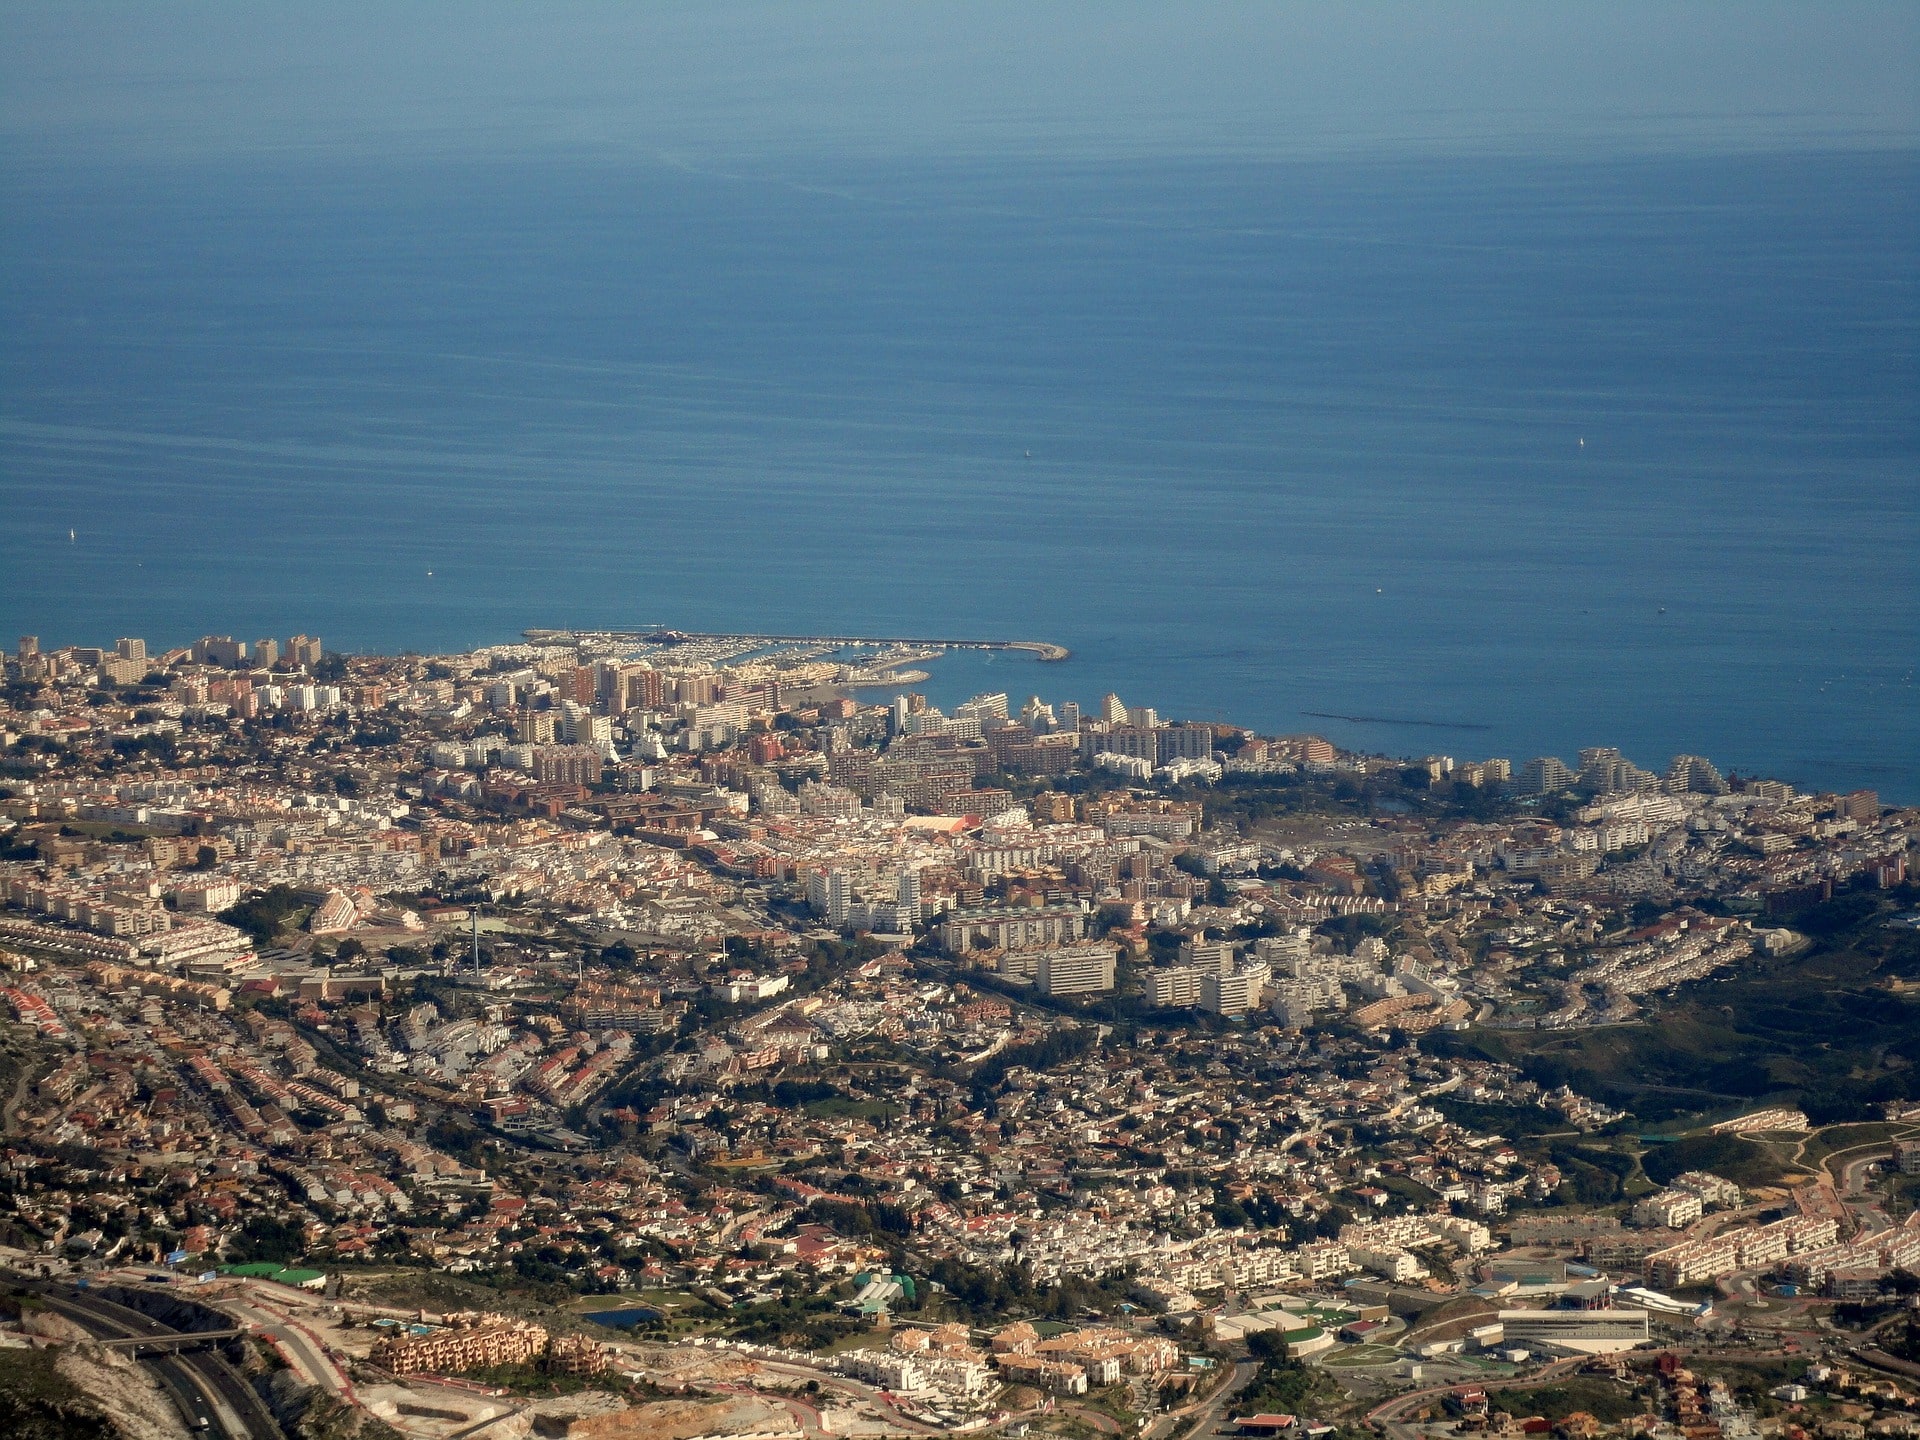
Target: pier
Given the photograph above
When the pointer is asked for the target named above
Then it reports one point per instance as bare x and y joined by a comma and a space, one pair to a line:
1044, 650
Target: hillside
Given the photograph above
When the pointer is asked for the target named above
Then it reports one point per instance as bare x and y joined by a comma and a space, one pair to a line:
1834, 1030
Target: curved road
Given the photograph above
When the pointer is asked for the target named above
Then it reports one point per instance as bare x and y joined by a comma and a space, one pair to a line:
860, 1389
1387, 1414
299, 1346
205, 1389
1208, 1410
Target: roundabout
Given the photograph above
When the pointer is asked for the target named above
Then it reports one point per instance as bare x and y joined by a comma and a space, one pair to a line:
1362, 1357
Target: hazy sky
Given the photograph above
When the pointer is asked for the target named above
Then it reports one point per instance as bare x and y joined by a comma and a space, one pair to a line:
711, 79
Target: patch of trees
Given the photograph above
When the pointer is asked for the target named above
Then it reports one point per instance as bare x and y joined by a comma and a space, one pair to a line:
1604, 1400
1841, 913
162, 747
1740, 1161
268, 1237
1901, 1340
262, 915
868, 1221
791, 1094
995, 1295
1498, 1119
1281, 1385
809, 1323
1058, 1048
1588, 1176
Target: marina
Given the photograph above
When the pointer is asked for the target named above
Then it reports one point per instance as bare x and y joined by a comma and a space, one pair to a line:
1044, 650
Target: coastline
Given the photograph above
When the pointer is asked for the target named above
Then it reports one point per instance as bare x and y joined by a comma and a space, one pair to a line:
1043, 650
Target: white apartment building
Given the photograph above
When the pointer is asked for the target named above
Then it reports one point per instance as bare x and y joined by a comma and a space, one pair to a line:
1075, 970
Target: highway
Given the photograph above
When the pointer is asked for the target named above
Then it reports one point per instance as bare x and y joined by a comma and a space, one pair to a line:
207, 1391
181, 1340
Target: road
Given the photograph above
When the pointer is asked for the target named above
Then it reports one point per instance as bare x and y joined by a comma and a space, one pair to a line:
1842, 1176
1387, 1414
1873, 1355
805, 1414
1840, 1190
205, 1389
11, 1114
1855, 1190
737, 1223
1096, 1420
858, 1388
302, 1349
199, 1402
1200, 1417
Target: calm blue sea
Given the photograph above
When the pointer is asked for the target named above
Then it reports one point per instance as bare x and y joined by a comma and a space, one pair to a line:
1572, 452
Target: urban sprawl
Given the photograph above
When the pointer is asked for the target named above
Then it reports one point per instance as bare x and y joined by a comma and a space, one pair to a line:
644, 1034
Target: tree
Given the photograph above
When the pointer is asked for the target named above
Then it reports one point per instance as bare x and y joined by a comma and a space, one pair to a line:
1280, 1384
1331, 1220
263, 914
269, 1237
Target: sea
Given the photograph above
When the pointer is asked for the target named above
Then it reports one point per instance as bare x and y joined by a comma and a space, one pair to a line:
1471, 456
